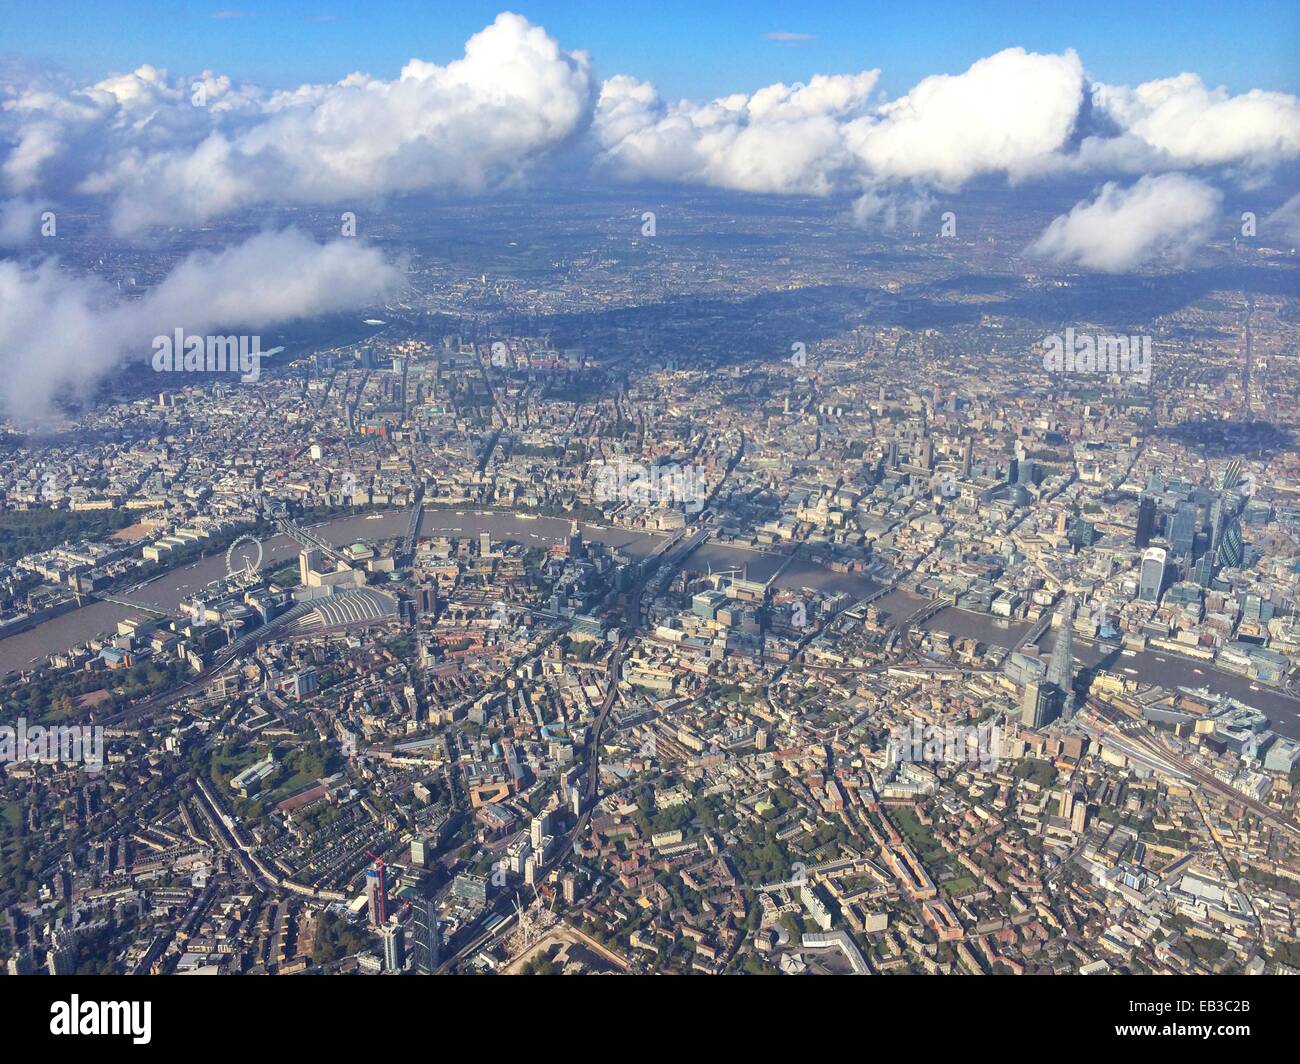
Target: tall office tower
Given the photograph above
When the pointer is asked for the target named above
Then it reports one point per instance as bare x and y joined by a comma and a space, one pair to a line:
1252, 608
1029, 702
485, 542
427, 597
539, 827
308, 561
1232, 551
394, 947
1146, 521
426, 944
927, 452
1183, 529
1151, 577
575, 540
1038, 704
533, 869
1229, 549
1203, 570
1199, 547
1060, 669
967, 455
376, 900
1231, 475
422, 851
893, 454
1218, 521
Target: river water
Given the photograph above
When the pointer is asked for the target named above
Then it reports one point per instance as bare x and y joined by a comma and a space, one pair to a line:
1153, 667
166, 592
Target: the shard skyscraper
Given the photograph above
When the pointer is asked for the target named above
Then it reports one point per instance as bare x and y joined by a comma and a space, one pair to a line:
1060, 668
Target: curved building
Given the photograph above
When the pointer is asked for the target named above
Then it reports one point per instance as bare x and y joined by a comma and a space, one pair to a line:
1151, 578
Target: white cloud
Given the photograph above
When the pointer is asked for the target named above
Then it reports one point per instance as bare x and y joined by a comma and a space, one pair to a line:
516, 96
782, 139
1190, 125
1004, 115
37, 143
19, 221
887, 208
1001, 116
1283, 222
139, 138
60, 134
62, 333
1170, 214
1017, 114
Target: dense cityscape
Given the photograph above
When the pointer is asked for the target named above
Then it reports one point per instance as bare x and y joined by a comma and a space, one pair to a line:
665, 581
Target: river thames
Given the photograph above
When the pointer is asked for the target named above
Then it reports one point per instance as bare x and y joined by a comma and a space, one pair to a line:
165, 592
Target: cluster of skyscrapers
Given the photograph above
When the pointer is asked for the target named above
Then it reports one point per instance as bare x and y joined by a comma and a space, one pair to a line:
1053, 696
1203, 533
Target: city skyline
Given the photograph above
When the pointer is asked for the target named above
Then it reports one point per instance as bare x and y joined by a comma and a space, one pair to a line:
527, 511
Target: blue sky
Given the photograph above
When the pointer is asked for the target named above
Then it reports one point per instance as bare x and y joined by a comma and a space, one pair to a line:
687, 47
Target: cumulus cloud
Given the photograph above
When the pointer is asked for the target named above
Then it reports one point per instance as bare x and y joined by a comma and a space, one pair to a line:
1169, 214
1285, 221
61, 333
781, 139
169, 153
60, 134
19, 221
175, 151
1187, 124
1001, 116
1016, 114
886, 209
